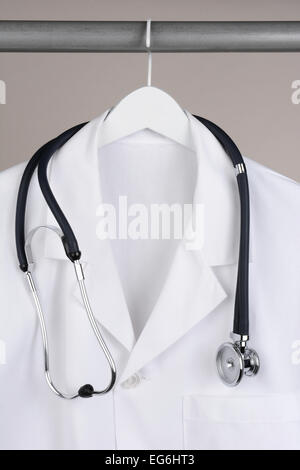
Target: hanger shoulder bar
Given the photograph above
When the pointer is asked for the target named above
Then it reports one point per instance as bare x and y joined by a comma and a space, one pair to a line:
166, 36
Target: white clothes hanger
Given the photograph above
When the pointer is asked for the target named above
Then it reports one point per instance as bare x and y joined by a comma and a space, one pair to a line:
147, 108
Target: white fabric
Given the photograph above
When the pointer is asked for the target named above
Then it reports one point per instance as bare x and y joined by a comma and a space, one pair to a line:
164, 310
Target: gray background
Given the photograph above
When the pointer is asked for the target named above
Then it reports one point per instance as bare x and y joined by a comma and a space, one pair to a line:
249, 95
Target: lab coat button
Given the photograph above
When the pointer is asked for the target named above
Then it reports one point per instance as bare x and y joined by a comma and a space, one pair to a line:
132, 381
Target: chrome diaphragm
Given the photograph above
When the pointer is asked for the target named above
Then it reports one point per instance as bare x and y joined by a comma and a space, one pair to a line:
234, 360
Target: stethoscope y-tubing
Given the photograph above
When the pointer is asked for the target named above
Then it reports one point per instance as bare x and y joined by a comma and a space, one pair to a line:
41, 160
46, 150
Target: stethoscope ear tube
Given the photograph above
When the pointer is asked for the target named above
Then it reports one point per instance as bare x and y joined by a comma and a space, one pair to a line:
46, 151
21, 208
87, 390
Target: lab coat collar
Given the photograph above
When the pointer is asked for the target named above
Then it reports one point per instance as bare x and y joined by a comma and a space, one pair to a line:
217, 191
74, 177
191, 290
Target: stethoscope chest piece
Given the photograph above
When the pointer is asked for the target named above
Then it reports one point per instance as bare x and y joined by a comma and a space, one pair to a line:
234, 361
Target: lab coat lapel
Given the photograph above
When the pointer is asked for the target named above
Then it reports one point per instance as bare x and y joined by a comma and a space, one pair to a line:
192, 290
74, 178
107, 298
217, 191
190, 293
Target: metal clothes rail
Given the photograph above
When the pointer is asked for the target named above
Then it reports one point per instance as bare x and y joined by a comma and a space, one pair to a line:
166, 36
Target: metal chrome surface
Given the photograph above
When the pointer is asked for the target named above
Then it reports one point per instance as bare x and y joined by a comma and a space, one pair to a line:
252, 362
235, 360
93, 322
80, 278
230, 364
239, 168
167, 36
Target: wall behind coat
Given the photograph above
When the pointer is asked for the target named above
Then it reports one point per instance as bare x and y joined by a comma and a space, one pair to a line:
249, 95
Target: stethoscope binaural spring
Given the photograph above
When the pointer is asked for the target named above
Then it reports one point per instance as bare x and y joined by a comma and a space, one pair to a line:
234, 359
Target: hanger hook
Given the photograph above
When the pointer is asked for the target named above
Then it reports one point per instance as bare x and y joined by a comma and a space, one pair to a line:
148, 46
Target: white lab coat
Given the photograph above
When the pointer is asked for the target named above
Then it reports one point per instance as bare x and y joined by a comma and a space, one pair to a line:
164, 310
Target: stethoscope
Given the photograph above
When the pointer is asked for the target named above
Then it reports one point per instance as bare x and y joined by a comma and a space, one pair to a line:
234, 359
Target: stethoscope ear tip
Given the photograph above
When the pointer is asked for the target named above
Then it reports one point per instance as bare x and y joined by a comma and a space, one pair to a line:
86, 391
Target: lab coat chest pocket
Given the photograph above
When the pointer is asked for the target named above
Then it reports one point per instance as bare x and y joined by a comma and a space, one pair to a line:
234, 422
